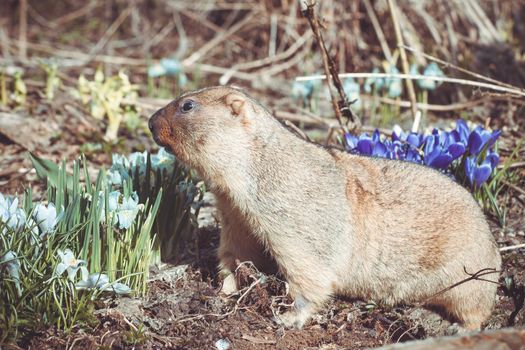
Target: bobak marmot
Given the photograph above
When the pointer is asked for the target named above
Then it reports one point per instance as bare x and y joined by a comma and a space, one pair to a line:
333, 223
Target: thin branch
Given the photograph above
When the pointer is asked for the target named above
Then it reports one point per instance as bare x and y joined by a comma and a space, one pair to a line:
22, 31
514, 91
75, 14
512, 247
197, 55
514, 187
463, 70
512, 166
343, 104
289, 52
297, 130
110, 31
377, 28
404, 61
472, 276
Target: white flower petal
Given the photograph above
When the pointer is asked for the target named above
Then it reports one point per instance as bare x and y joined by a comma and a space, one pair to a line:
84, 273
61, 267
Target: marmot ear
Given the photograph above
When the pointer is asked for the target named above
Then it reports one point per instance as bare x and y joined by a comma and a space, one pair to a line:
236, 103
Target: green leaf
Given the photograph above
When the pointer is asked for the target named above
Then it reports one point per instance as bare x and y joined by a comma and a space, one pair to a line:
49, 171
45, 169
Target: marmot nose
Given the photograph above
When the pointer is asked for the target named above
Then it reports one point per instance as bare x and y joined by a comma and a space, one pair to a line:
153, 118
150, 123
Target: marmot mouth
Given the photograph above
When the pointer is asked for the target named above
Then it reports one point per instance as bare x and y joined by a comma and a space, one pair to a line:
169, 150
157, 140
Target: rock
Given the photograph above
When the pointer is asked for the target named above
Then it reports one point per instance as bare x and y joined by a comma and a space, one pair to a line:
30, 133
168, 273
504, 339
222, 344
432, 323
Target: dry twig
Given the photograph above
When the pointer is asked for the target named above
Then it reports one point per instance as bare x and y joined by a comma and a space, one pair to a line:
343, 105
22, 31
472, 276
404, 61
494, 87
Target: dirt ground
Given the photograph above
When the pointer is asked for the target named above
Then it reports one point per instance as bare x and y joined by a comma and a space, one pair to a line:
183, 309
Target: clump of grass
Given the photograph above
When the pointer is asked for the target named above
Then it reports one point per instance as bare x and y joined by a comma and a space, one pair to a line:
90, 238
181, 198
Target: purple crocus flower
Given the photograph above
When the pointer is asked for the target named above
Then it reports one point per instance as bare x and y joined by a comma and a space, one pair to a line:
380, 150
462, 131
480, 138
397, 148
364, 144
441, 149
412, 155
412, 138
436, 156
476, 173
438, 150
351, 141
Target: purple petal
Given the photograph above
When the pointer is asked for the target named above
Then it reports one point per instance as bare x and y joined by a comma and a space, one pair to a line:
365, 146
475, 142
482, 173
470, 165
444, 138
376, 136
396, 137
380, 150
455, 136
493, 137
430, 144
456, 150
493, 160
412, 156
463, 130
438, 159
351, 141
414, 139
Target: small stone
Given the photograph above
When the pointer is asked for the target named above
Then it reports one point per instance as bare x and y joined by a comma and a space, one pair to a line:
222, 344
452, 329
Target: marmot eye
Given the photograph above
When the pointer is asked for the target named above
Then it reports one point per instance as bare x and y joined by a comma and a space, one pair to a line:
187, 106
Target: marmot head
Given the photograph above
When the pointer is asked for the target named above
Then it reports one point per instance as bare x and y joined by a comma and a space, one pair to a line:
208, 129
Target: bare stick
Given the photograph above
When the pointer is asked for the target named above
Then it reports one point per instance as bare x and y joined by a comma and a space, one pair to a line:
75, 14
494, 87
22, 31
329, 67
512, 247
110, 31
298, 131
197, 55
377, 28
273, 36
267, 60
404, 61
472, 276
513, 165
514, 187
463, 70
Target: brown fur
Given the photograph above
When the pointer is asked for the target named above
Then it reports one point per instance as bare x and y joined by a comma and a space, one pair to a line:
331, 222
